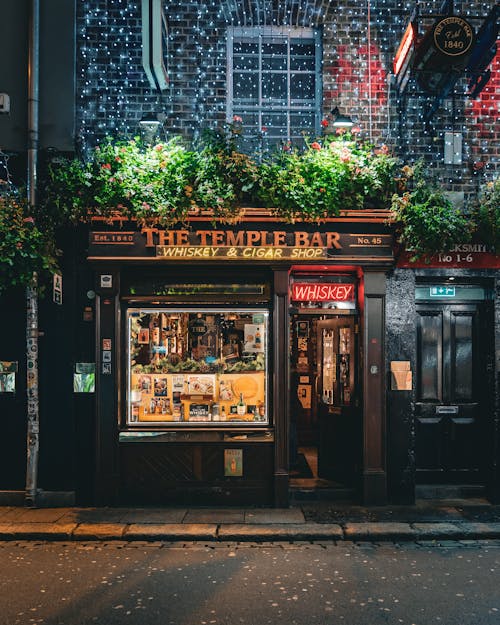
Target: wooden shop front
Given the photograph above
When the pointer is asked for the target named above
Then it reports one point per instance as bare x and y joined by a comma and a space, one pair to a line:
223, 348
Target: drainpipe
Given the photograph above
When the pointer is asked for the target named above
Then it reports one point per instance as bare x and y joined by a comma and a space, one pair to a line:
32, 290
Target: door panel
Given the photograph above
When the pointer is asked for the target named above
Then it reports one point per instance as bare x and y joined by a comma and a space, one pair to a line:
338, 444
449, 386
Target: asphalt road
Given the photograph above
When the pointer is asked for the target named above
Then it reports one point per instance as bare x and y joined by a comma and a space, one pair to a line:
233, 584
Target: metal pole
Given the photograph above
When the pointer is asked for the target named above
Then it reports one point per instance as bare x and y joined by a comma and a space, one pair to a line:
33, 425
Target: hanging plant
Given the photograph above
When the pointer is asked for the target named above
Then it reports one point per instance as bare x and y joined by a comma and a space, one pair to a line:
27, 245
426, 221
486, 214
328, 177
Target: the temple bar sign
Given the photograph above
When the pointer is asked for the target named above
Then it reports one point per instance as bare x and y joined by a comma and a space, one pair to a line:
314, 292
284, 243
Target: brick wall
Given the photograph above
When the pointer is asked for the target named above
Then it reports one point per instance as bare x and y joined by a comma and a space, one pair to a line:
113, 92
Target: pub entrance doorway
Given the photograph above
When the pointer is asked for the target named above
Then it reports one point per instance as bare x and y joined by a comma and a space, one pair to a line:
325, 427
453, 407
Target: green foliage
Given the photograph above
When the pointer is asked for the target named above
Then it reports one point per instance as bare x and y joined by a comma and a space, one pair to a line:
427, 222
27, 244
486, 214
338, 174
141, 182
225, 177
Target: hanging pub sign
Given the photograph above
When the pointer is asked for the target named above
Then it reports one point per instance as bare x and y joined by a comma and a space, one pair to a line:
404, 55
442, 54
369, 242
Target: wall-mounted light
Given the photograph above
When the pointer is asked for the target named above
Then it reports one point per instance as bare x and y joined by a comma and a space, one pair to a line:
339, 120
149, 126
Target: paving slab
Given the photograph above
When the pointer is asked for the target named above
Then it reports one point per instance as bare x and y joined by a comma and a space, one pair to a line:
386, 530
155, 516
216, 515
4, 510
94, 515
274, 515
34, 515
99, 531
286, 531
169, 531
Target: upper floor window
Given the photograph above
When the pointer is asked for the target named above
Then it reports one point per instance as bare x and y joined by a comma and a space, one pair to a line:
274, 83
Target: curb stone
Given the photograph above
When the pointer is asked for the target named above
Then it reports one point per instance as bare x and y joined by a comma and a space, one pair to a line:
171, 531
300, 531
379, 531
99, 531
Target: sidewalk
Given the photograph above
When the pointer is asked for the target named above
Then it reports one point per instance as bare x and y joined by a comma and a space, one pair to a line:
326, 521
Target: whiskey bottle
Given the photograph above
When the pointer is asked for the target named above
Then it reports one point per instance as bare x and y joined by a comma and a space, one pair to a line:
241, 407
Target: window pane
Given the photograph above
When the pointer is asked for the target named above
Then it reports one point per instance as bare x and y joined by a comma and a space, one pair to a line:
302, 87
462, 365
245, 86
241, 47
246, 62
275, 123
192, 366
304, 120
274, 56
274, 87
430, 361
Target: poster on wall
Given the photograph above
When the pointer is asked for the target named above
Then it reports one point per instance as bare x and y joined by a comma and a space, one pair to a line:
233, 462
254, 338
200, 384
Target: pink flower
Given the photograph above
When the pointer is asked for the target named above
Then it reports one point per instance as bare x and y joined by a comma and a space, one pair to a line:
29, 220
324, 123
237, 119
382, 150
345, 155
159, 147
315, 145
106, 166
287, 147
355, 130
146, 206
264, 128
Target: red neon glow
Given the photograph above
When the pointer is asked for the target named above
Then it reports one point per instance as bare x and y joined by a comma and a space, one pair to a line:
314, 292
404, 48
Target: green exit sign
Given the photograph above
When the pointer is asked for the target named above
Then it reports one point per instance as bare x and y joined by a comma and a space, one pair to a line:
442, 291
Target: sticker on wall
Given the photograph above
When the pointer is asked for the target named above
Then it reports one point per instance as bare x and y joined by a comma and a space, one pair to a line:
8, 370
401, 375
106, 281
57, 292
302, 328
106, 344
233, 462
106, 356
84, 377
106, 368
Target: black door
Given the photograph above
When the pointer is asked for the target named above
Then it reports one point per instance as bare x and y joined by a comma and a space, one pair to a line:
451, 374
338, 440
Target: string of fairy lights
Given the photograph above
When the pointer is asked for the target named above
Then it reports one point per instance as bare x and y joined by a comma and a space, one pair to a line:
358, 43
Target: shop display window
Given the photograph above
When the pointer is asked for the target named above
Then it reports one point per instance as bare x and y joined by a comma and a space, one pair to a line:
194, 367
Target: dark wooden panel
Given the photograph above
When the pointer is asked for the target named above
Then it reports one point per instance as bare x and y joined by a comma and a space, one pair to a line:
194, 474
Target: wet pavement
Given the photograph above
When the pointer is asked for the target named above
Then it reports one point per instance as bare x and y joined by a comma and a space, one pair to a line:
224, 583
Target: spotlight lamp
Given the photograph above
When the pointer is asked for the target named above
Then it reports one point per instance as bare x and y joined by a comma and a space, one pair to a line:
149, 126
339, 120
